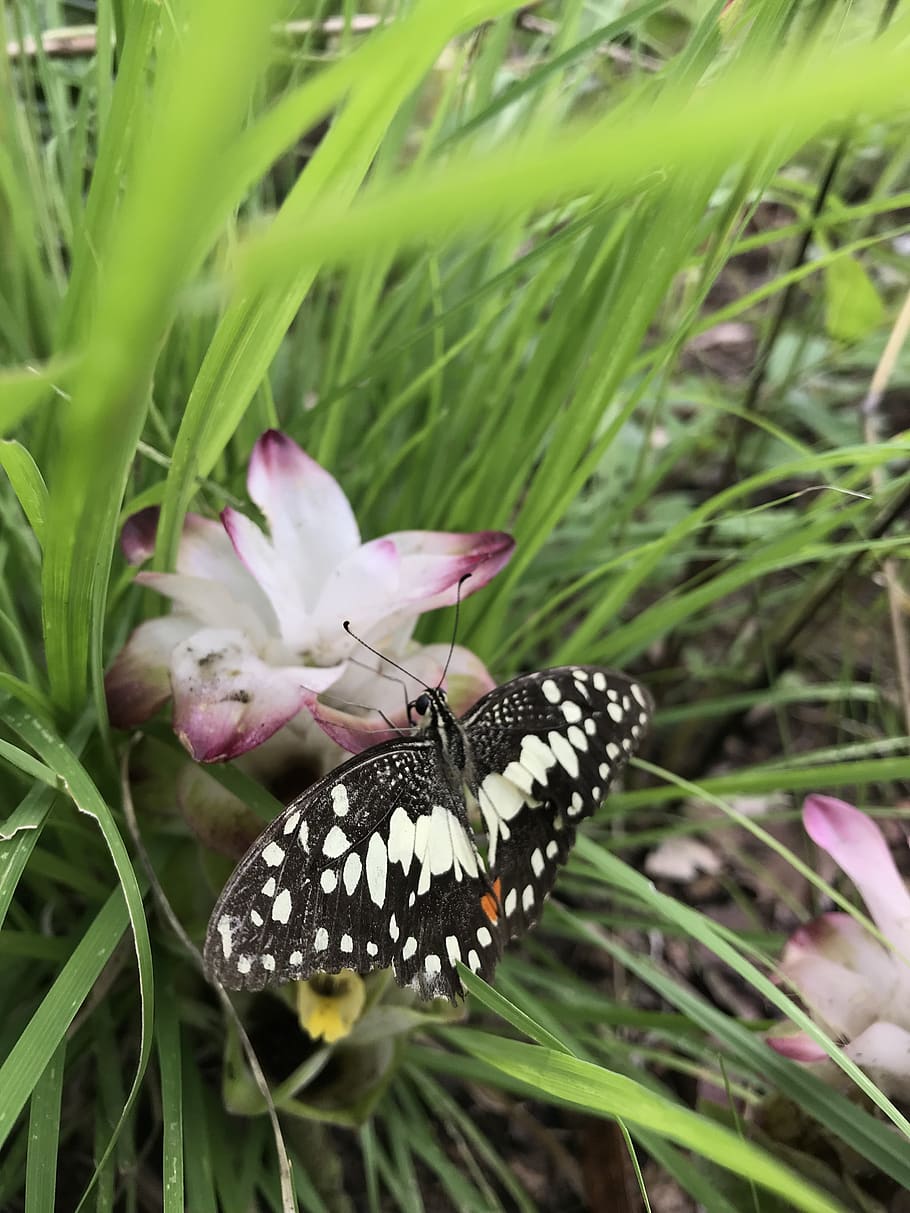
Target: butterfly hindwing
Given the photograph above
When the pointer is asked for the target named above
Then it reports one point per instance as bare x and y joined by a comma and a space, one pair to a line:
546, 749
372, 867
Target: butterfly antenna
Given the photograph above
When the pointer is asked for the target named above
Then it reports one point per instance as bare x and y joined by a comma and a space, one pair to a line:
445, 668
382, 657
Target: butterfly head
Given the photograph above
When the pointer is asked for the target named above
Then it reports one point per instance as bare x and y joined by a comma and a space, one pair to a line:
426, 709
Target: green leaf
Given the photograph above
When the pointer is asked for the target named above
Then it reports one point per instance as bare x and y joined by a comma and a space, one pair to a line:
853, 308
27, 482
44, 1136
33, 1051
604, 1093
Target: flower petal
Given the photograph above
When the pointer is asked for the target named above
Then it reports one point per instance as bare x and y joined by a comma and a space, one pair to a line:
855, 842
376, 689
329, 1008
277, 577
434, 562
138, 682
227, 700
467, 678
204, 601
840, 938
137, 538
206, 552
310, 519
363, 588
389, 581
798, 1047
844, 1001
883, 1051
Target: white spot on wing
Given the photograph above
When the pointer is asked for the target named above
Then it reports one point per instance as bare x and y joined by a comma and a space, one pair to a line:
401, 839
484, 938
281, 906
453, 948
615, 712
500, 800
410, 947
351, 873
393, 928
224, 930
269, 887
613, 751
256, 918
347, 944
336, 843
432, 964
604, 771
473, 961
292, 822
321, 940
572, 711
565, 755
520, 776
296, 958
268, 962
577, 738
511, 902
372, 948
244, 964
328, 880
340, 799
551, 690
537, 863
599, 681
439, 841
590, 726
527, 897
537, 756
639, 694
273, 855
377, 865
304, 836
552, 848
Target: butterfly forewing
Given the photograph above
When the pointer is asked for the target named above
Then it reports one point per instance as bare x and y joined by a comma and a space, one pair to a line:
371, 867
547, 748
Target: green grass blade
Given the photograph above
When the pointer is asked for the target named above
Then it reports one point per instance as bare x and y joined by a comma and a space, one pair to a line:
607, 1094
30, 1056
44, 1136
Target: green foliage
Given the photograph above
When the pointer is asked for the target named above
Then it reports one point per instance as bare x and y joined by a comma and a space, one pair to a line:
470, 263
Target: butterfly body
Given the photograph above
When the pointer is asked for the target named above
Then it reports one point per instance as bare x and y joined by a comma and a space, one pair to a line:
378, 864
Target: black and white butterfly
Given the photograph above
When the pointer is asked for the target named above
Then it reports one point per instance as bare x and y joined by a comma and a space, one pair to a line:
378, 864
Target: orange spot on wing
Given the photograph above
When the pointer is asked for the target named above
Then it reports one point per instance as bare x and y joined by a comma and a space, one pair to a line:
489, 903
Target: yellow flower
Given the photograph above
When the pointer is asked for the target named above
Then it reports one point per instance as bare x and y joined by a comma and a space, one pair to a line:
329, 1004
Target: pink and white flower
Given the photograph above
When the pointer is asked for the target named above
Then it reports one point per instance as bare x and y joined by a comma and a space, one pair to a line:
255, 633
854, 987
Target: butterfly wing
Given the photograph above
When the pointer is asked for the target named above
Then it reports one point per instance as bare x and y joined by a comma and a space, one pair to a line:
371, 867
547, 748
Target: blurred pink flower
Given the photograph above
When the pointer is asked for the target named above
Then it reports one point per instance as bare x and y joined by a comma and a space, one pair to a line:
856, 989
255, 633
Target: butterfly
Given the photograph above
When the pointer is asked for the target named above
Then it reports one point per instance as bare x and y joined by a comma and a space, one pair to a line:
432, 848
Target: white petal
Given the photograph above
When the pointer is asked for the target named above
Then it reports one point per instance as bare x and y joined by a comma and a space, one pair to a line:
310, 519
227, 700
138, 682
206, 551
205, 601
